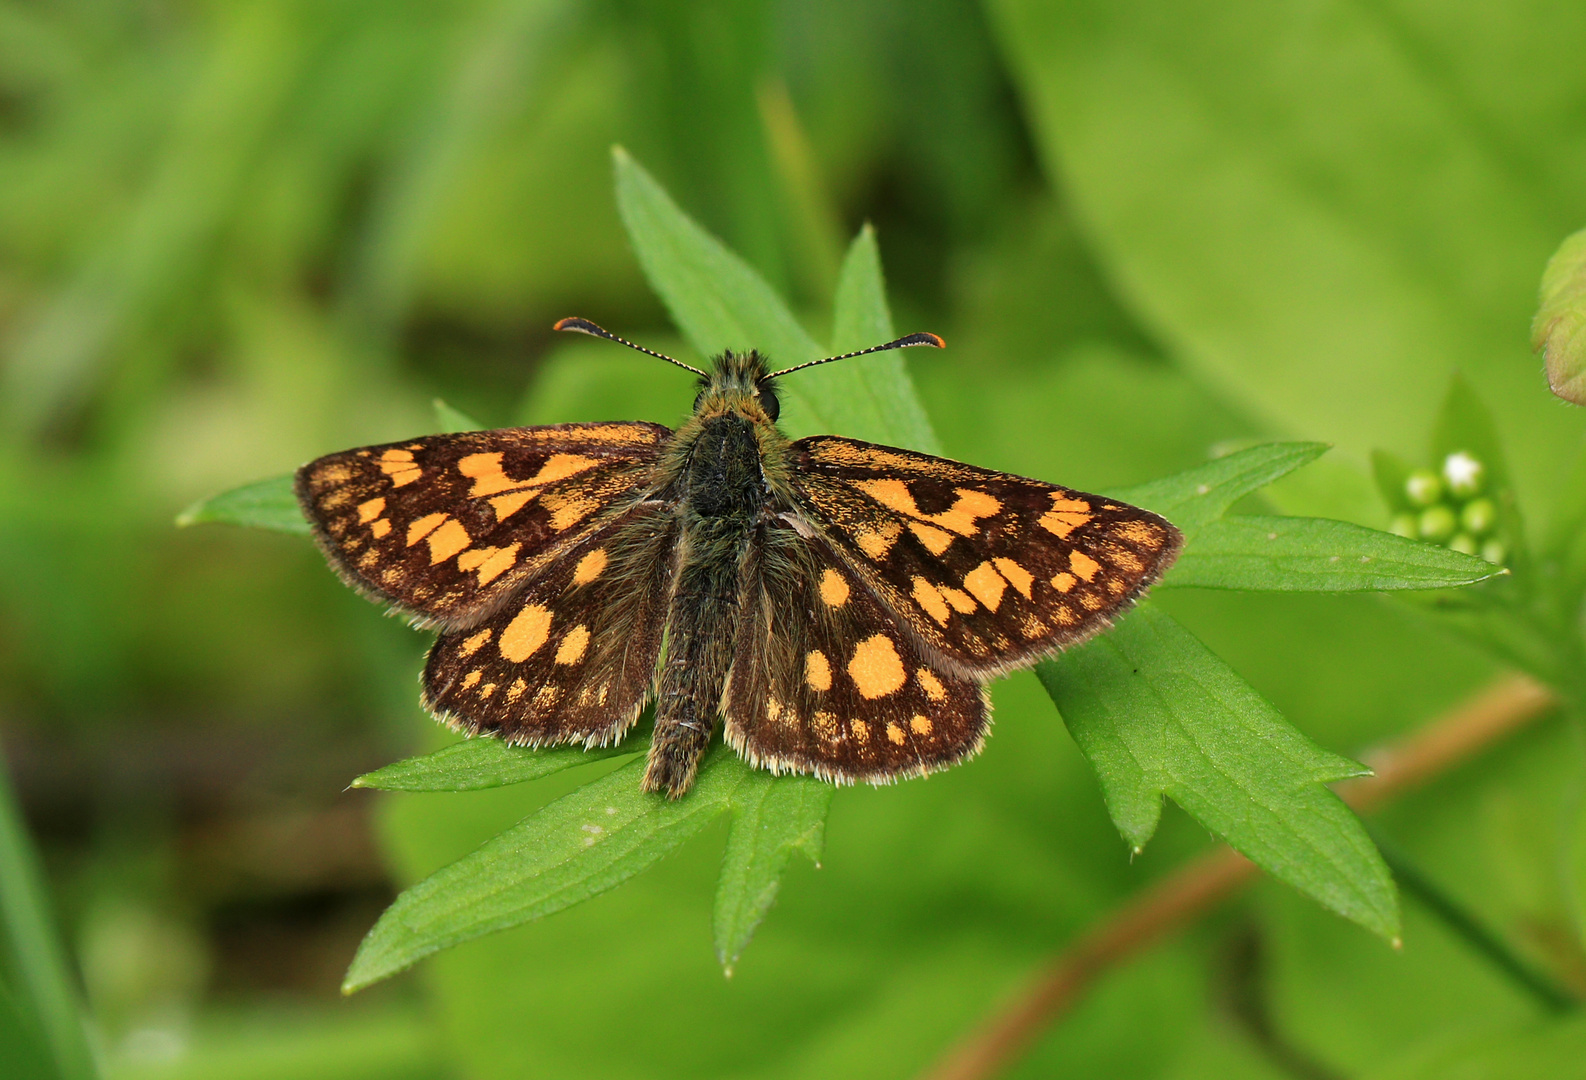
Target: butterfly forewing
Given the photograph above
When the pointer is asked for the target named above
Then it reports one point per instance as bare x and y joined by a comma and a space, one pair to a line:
825, 680
572, 656
988, 570
449, 526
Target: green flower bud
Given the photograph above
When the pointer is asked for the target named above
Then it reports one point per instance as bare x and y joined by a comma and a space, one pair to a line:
1464, 474
1493, 551
1405, 525
1479, 516
1437, 523
1423, 487
1463, 543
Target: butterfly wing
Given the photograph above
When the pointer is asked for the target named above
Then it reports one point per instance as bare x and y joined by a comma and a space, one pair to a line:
989, 571
448, 527
824, 680
572, 656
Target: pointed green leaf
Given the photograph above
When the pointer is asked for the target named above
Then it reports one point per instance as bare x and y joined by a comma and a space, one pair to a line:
576, 847
861, 319
719, 303
453, 420
1559, 328
478, 763
1196, 496
268, 504
1391, 473
772, 818
1296, 554
1157, 713
1464, 423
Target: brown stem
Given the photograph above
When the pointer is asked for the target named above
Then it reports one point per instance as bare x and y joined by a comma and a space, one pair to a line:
1190, 891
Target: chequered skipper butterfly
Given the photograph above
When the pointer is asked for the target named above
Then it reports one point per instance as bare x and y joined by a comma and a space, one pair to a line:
839, 605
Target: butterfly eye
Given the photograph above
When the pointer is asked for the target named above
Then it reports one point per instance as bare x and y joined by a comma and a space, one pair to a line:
768, 402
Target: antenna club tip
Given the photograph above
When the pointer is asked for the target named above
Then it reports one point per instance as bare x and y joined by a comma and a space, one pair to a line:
583, 326
933, 340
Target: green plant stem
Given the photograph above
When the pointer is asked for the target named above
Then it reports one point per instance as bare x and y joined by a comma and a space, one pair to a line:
45, 988
1464, 925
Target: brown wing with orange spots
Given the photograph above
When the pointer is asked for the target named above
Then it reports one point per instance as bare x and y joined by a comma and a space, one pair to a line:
825, 681
988, 570
448, 527
572, 656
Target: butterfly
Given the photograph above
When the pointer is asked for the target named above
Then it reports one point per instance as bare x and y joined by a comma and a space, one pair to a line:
836, 605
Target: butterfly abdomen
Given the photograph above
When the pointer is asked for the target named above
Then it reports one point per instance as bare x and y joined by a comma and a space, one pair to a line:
720, 499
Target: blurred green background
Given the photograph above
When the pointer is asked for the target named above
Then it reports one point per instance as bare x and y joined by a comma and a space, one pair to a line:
237, 235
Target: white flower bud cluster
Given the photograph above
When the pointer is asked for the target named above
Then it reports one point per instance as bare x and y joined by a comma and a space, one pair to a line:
1451, 509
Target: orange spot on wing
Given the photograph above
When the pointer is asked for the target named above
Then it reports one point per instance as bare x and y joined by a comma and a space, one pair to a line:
423, 527
876, 668
926, 595
1020, 578
590, 567
447, 541
986, 585
834, 589
507, 505
528, 630
1083, 565
935, 540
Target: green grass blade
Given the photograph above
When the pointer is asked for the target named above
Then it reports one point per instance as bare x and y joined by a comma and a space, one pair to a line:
772, 818
1157, 713
479, 763
267, 504
1295, 554
42, 996
1196, 496
584, 843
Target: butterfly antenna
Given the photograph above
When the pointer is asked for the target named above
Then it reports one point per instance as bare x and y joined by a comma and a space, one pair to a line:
902, 343
584, 326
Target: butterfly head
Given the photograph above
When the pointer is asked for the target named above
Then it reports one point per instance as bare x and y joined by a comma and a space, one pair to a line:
739, 385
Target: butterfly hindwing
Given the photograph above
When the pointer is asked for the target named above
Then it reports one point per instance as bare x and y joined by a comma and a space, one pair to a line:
824, 680
572, 656
449, 526
989, 570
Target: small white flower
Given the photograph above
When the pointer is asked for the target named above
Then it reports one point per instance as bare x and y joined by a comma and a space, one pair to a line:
1463, 473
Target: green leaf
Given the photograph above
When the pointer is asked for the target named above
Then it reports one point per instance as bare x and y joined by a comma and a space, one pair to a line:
267, 504
1157, 713
861, 319
1296, 554
1559, 329
1465, 424
1196, 496
1391, 473
584, 843
772, 818
1228, 163
720, 303
42, 1002
452, 420
479, 763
